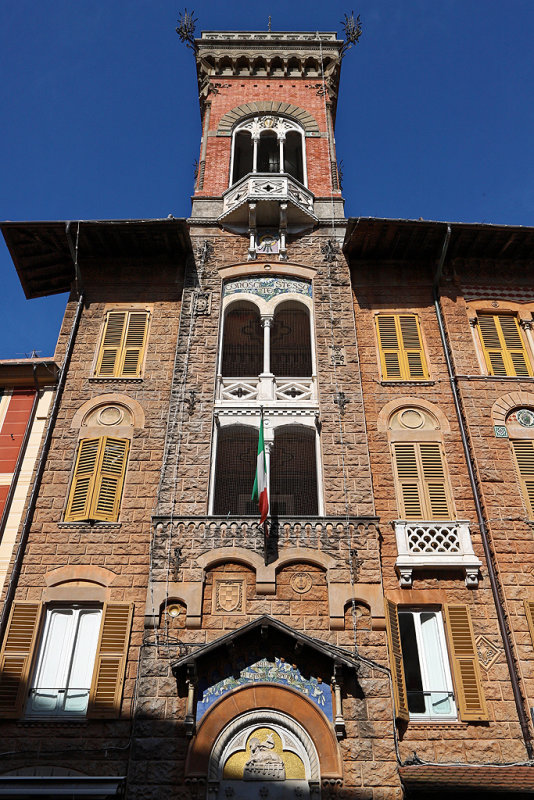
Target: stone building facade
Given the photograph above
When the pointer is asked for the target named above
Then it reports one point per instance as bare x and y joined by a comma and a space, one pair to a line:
373, 638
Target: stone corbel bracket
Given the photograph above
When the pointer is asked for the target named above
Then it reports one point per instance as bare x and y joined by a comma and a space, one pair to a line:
190, 592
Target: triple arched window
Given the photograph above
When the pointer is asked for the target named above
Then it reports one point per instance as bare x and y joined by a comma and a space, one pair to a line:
268, 145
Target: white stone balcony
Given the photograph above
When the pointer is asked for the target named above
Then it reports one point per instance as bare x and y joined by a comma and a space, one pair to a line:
435, 545
268, 199
265, 389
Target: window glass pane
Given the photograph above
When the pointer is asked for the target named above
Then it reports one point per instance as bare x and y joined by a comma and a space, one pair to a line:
412, 667
83, 660
51, 674
293, 472
437, 682
268, 153
235, 468
242, 155
242, 355
291, 343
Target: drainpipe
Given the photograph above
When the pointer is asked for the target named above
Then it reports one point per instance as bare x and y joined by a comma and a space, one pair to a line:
15, 573
20, 457
494, 581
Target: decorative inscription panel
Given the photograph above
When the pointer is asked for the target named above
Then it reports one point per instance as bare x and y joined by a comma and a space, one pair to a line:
267, 287
277, 671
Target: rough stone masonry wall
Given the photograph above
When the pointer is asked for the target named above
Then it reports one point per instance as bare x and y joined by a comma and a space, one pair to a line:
120, 548
398, 289
368, 750
508, 521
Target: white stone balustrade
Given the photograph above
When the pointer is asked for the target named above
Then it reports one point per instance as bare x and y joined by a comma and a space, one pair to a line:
266, 388
435, 544
256, 187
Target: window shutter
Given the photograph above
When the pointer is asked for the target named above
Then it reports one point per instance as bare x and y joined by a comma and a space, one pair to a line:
134, 343
408, 478
434, 477
108, 359
110, 662
390, 356
524, 455
400, 695
413, 347
16, 657
109, 479
401, 348
529, 610
464, 662
81, 491
503, 346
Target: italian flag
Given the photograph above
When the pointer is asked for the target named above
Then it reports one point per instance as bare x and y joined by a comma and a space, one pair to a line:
259, 492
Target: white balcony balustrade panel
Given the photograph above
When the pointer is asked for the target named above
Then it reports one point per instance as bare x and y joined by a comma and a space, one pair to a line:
266, 389
435, 544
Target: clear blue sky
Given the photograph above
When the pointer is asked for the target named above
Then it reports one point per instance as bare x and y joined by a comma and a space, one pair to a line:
100, 115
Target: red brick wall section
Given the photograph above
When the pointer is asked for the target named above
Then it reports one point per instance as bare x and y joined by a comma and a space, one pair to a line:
237, 91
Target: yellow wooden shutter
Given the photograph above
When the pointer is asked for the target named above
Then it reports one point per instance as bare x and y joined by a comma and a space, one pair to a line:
109, 479
401, 347
16, 657
529, 610
434, 478
123, 344
414, 357
81, 490
110, 662
108, 363
524, 456
134, 344
503, 346
400, 695
390, 356
469, 693
409, 482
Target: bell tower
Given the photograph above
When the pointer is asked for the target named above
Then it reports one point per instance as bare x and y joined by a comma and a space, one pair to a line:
267, 166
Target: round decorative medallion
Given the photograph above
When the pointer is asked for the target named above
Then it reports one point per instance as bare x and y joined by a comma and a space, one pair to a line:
525, 417
412, 418
110, 415
301, 582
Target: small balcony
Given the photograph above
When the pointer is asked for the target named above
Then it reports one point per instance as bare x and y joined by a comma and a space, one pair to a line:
263, 199
265, 389
429, 545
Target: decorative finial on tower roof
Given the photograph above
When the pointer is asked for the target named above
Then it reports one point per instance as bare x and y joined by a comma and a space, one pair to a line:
352, 30
269, 26
186, 29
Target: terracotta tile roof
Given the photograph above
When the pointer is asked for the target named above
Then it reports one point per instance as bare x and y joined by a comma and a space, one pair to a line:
465, 776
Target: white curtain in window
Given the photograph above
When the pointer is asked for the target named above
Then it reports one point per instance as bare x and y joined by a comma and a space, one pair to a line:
66, 660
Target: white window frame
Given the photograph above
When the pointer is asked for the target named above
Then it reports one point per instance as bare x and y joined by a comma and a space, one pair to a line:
71, 646
448, 688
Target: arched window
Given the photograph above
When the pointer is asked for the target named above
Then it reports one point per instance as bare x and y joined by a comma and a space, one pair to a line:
520, 427
268, 145
293, 474
242, 353
235, 468
292, 471
242, 155
291, 342
293, 155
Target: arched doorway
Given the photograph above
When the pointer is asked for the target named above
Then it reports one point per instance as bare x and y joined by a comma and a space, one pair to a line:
263, 754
